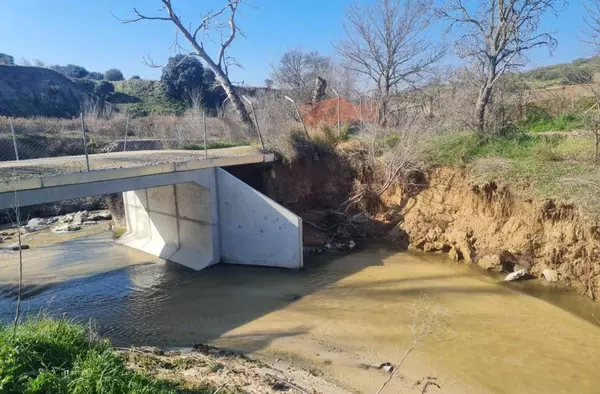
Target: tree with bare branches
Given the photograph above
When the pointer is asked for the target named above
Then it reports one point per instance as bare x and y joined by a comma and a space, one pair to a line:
297, 71
221, 21
497, 34
591, 18
386, 41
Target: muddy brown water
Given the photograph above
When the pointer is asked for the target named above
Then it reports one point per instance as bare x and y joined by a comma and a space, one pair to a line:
338, 313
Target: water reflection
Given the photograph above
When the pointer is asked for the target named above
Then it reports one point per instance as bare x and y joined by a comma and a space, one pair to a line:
350, 309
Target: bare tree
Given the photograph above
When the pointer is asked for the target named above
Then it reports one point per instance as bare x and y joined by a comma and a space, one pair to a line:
222, 21
497, 34
386, 41
591, 18
298, 70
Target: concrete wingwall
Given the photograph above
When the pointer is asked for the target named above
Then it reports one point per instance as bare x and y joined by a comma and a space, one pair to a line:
255, 230
215, 218
176, 222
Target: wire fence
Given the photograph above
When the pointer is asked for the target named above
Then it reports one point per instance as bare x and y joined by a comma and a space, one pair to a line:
78, 142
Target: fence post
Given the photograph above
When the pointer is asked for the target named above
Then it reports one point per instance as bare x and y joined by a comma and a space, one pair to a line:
339, 123
87, 159
262, 144
126, 131
205, 141
299, 116
12, 129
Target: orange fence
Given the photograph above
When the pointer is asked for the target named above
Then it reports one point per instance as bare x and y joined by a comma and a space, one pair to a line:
326, 112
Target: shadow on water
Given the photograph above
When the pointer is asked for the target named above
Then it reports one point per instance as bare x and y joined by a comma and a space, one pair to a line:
136, 299
165, 304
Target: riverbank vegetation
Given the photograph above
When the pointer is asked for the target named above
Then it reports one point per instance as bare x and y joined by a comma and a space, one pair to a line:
58, 356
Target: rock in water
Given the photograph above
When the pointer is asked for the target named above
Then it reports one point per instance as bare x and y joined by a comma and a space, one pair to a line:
36, 224
516, 275
454, 254
80, 217
15, 247
68, 218
65, 228
491, 263
103, 215
550, 275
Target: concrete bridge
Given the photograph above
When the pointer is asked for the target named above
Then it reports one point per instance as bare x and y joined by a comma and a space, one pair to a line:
191, 211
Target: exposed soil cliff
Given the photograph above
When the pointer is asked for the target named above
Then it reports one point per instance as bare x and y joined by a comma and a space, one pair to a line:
484, 224
475, 222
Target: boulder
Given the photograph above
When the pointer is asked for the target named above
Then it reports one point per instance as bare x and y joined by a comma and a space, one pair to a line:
466, 251
516, 275
80, 217
65, 228
491, 263
15, 247
68, 218
103, 215
550, 275
36, 224
454, 254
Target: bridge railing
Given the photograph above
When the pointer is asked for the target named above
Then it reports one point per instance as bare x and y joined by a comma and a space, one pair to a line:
77, 140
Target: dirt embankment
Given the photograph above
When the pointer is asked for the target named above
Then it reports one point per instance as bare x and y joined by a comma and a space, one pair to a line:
486, 224
491, 226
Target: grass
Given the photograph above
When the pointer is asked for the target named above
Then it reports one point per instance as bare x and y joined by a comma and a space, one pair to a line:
57, 356
556, 167
119, 232
558, 123
216, 145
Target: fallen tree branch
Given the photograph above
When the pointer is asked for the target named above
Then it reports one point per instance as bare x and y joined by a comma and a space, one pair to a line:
284, 381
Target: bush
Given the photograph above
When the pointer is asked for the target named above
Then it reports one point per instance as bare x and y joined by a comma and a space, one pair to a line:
7, 59
104, 88
183, 77
135, 77
113, 75
95, 76
577, 76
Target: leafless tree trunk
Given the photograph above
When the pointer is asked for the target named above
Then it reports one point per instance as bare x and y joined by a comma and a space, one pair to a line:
386, 41
496, 37
211, 20
592, 21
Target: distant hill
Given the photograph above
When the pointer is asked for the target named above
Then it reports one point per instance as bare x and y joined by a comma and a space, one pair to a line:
580, 71
34, 91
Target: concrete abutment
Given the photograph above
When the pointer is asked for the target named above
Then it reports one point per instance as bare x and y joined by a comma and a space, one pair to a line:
216, 218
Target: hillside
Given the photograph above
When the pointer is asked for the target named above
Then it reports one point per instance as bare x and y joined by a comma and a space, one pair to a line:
579, 71
34, 91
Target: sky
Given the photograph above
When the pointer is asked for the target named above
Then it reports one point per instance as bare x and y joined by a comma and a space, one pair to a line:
85, 32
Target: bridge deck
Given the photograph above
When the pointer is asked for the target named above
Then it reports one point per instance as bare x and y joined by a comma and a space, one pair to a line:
71, 170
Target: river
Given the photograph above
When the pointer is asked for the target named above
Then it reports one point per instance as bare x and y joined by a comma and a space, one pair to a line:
338, 313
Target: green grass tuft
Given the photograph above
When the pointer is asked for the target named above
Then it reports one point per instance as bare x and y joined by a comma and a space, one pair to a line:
546, 166
56, 356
